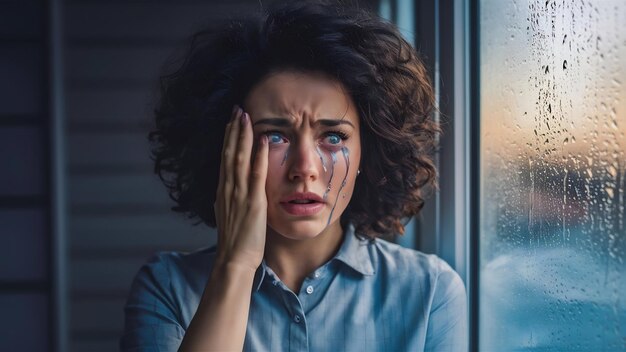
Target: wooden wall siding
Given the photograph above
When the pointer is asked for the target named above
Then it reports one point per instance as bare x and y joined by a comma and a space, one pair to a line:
119, 211
25, 255
22, 68
23, 154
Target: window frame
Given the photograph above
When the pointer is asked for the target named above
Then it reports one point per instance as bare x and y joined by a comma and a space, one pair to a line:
447, 37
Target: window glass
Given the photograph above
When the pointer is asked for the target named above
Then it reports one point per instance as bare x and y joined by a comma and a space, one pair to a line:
553, 182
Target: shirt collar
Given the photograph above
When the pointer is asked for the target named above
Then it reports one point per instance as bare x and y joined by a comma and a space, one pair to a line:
259, 275
353, 252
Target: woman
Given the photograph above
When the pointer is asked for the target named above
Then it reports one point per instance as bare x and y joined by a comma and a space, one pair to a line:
327, 135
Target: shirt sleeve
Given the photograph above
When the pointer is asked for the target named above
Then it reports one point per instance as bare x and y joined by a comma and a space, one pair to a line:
151, 318
447, 325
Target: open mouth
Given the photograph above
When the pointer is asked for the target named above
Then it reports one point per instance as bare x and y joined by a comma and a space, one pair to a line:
302, 207
303, 201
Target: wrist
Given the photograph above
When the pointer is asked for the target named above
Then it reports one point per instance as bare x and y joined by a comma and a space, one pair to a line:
238, 262
226, 270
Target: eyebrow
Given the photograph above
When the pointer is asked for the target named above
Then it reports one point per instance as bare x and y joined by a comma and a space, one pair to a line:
283, 122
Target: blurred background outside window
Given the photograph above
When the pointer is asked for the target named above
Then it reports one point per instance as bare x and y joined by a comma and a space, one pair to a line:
552, 175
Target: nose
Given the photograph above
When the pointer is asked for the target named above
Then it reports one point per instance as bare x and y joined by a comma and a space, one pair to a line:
304, 162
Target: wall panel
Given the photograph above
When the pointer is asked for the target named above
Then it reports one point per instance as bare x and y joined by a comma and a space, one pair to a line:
119, 211
23, 254
24, 162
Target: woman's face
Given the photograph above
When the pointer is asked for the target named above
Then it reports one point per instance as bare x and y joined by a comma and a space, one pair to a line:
314, 146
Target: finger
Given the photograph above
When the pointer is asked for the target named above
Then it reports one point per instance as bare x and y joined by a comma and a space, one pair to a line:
227, 156
222, 163
243, 156
258, 174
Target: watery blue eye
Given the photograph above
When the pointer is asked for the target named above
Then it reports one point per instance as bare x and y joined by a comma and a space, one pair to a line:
334, 139
275, 138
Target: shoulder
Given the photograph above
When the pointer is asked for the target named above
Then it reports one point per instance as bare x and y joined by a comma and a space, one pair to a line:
163, 298
396, 257
198, 259
171, 283
179, 268
412, 266
173, 279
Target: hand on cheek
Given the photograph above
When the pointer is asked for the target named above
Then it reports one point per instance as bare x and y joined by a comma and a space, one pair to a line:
241, 203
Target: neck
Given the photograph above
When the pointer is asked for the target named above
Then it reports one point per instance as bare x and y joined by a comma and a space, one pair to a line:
292, 260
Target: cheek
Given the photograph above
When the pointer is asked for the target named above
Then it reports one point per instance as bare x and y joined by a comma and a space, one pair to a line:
277, 155
275, 168
337, 162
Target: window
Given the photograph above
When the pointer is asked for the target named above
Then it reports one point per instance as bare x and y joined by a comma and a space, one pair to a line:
552, 175
531, 205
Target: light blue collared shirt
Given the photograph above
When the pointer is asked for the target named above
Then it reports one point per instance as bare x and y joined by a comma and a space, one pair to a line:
372, 296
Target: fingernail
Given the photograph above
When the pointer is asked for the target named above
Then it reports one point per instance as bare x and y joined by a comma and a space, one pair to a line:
263, 139
235, 109
244, 118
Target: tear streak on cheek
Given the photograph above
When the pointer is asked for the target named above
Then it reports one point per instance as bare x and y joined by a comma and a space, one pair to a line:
333, 156
346, 156
319, 152
324, 159
285, 157
276, 158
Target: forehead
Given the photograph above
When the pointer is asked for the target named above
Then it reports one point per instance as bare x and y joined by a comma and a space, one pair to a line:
299, 95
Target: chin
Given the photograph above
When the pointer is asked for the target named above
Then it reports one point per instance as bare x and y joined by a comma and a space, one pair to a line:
298, 229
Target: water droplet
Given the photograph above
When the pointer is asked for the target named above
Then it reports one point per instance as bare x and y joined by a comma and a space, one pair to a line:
565, 141
547, 70
564, 64
609, 191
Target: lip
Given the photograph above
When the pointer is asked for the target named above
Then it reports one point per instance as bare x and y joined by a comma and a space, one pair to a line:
303, 209
301, 195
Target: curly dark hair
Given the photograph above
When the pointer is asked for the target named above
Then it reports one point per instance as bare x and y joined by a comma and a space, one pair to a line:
380, 70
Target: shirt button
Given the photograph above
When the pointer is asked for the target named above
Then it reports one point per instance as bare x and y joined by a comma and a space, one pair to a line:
309, 289
275, 282
296, 318
316, 274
